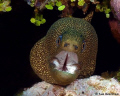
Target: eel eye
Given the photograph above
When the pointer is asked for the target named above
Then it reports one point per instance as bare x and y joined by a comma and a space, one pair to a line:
66, 44
83, 46
76, 47
58, 41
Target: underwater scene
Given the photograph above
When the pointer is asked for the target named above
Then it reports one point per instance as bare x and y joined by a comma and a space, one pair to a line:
60, 47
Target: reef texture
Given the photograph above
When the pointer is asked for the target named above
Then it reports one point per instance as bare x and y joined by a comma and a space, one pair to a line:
95, 85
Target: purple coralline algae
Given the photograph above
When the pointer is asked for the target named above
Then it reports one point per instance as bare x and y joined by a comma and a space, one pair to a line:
92, 86
115, 23
115, 4
115, 29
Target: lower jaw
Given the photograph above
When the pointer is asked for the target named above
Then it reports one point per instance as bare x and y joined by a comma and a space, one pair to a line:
63, 77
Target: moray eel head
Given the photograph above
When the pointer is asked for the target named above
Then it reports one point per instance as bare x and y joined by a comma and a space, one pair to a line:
65, 65
67, 52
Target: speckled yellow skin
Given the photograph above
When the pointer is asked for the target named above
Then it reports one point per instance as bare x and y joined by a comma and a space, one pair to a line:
46, 48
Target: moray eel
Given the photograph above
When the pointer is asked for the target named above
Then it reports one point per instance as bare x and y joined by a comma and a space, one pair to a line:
68, 51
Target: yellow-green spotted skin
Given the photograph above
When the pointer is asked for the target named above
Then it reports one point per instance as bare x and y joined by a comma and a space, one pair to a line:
78, 38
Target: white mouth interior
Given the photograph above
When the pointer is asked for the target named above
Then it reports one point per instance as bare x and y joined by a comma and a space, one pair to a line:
65, 61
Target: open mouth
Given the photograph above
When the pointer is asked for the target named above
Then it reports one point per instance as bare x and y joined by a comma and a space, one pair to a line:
66, 61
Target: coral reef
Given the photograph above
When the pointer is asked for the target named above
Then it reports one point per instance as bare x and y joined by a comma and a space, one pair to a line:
95, 85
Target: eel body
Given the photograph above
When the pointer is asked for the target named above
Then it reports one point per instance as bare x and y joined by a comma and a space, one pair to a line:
68, 51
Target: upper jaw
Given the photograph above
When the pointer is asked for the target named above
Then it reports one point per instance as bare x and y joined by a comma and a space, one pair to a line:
66, 61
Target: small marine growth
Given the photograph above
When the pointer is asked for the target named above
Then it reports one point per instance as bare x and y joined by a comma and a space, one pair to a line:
112, 74
5, 6
67, 7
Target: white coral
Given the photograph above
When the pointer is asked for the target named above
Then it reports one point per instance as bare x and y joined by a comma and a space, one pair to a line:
95, 85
